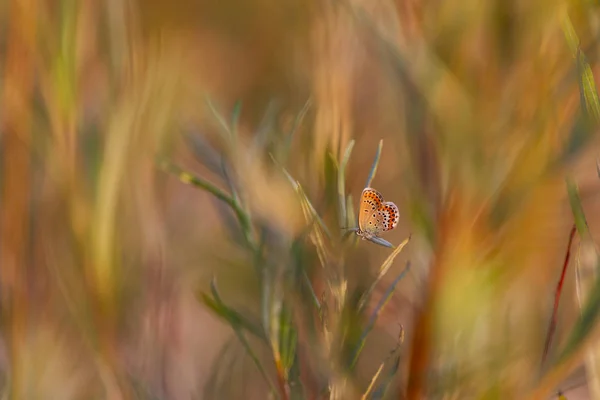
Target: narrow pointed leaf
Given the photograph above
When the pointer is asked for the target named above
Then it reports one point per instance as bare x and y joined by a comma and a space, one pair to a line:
385, 267
235, 118
222, 123
375, 164
188, 178
232, 317
382, 389
297, 122
341, 185
378, 309
204, 152
237, 328
590, 312
577, 209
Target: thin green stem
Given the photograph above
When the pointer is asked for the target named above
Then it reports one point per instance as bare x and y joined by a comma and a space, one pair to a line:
190, 179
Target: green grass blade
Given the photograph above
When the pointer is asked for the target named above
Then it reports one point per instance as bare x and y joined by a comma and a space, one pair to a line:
287, 145
313, 295
232, 316
263, 137
587, 322
378, 309
230, 182
350, 210
589, 89
223, 124
288, 339
204, 152
330, 191
301, 254
305, 201
382, 389
237, 328
294, 381
341, 184
312, 212
590, 312
383, 270
235, 118
570, 35
579, 136
375, 164
577, 209
188, 178
267, 288
584, 127
217, 370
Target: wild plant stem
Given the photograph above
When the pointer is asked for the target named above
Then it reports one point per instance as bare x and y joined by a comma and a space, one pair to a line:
188, 178
559, 286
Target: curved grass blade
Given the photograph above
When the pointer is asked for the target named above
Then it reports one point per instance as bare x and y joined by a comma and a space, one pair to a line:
343, 218
330, 171
577, 209
288, 339
591, 311
557, 295
299, 254
579, 136
395, 356
287, 144
383, 270
188, 178
373, 319
305, 294
224, 125
235, 118
589, 315
312, 212
218, 366
230, 182
375, 164
232, 317
586, 77
382, 389
305, 201
351, 216
585, 125
205, 153
263, 136
317, 234
311, 216
295, 384
365, 396
313, 295
235, 323
584, 327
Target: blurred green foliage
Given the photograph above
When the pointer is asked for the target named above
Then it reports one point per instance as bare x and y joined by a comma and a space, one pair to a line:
180, 186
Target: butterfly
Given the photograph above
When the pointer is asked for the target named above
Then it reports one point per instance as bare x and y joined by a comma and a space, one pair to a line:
375, 216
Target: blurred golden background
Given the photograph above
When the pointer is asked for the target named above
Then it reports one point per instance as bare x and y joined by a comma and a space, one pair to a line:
178, 180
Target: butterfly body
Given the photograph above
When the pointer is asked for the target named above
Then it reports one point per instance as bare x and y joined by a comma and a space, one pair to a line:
375, 215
